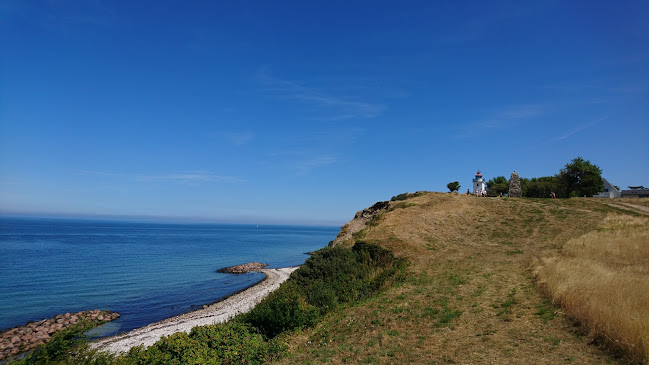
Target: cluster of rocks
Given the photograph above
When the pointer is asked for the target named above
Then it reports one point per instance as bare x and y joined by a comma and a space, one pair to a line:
21, 339
244, 268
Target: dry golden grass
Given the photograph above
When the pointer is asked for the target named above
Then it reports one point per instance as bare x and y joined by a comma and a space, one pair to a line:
637, 201
602, 280
470, 296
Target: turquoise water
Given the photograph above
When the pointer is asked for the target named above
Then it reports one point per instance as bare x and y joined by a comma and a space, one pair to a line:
144, 271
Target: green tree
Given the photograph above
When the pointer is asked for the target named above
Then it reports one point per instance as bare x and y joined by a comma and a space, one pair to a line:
540, 187
453, 186
498, 185
525, 182
579, 178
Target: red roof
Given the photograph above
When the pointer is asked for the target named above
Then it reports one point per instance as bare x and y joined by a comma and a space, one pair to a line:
478, 174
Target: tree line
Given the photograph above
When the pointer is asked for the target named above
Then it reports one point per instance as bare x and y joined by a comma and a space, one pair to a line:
579, 177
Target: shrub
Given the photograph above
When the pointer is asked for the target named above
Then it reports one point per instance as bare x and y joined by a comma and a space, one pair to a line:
453, 186
283, 310
405, 196
331, 277
228, 343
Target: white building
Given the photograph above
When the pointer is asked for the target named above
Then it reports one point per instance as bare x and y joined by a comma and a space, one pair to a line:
479, 186
609, 191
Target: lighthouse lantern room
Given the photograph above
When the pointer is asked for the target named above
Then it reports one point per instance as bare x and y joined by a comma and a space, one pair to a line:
479, 187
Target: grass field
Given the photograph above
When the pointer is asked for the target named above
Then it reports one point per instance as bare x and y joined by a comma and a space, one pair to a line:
602, 280
471, 295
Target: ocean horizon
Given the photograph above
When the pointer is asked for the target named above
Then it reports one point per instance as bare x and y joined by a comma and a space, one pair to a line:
145, 271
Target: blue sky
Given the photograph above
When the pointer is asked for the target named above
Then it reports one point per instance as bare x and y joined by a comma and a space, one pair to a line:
306, 111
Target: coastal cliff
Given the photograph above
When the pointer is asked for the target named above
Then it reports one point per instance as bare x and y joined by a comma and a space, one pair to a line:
359, 222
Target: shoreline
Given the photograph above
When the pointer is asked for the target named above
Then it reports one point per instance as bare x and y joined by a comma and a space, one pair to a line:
218, 312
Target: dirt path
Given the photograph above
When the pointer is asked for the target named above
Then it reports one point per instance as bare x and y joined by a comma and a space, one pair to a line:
216, 313
635, 207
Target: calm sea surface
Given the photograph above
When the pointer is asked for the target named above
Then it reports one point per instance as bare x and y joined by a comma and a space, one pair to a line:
144, 271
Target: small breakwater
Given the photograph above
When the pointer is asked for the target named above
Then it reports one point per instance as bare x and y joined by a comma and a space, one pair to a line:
243, 268
25, 338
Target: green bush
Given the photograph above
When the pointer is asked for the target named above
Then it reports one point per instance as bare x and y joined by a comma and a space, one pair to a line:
334, 267
405, 196
331, 277
228, 343
283, 310
323, 296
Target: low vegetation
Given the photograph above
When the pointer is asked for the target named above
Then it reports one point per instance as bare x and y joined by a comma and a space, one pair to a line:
601, 279
405, 196
332, 277
229, 343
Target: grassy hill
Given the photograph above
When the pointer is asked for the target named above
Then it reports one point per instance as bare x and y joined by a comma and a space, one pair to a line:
480, 286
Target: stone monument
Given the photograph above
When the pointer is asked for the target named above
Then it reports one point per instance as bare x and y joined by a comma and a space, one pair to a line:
515, 186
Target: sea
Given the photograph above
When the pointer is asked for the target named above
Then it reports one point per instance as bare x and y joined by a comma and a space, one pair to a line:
145, 271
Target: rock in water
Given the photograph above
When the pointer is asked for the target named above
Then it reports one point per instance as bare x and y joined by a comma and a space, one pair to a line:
241, 269
515, 186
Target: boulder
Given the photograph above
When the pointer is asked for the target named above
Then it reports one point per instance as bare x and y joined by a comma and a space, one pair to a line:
515, 190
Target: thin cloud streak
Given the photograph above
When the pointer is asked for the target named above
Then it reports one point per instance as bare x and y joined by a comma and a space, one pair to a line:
189, 177
336, 108
480, 28
576, 130
304, 166
503, 119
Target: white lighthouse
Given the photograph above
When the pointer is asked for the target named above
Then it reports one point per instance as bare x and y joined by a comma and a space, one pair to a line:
479, 187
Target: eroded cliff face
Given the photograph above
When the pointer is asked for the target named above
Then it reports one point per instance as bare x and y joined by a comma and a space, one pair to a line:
359, 222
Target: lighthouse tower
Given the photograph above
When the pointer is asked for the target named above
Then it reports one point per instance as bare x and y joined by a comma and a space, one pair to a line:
479, 187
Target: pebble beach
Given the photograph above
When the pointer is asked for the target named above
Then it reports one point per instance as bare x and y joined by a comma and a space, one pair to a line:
217, 312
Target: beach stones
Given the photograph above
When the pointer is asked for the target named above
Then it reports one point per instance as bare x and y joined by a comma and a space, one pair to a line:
22, 339
244, 268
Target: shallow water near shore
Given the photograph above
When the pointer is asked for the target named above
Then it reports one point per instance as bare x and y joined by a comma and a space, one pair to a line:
145, 271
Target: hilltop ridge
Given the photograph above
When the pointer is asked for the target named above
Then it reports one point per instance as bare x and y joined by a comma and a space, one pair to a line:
471, 295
